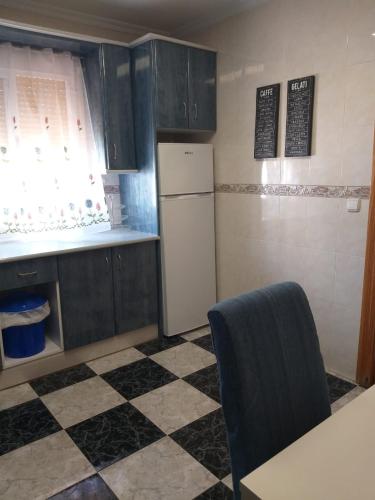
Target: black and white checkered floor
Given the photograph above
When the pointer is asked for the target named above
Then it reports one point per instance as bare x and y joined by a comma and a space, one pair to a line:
144, 423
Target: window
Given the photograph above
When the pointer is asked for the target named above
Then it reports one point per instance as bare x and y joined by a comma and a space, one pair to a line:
50, 174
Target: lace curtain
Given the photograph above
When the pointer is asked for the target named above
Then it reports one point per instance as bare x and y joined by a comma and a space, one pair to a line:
50, 176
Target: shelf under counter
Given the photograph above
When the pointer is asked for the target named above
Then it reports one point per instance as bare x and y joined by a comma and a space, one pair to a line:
50, 348
15, 250
54, 341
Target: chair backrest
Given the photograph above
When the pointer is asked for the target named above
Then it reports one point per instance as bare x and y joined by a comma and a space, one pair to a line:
272, 379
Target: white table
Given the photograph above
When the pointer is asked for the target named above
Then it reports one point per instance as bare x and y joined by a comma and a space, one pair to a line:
334, 461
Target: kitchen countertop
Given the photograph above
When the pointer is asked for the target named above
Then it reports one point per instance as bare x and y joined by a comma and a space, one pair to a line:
14, 250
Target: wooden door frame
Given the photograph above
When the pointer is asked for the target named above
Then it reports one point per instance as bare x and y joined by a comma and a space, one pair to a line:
366, 349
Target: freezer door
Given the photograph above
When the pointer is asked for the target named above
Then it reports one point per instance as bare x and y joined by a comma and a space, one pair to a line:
188, 261
185, 168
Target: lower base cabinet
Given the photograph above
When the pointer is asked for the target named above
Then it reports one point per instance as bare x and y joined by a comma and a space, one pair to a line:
86, 294
135, 286
107, 292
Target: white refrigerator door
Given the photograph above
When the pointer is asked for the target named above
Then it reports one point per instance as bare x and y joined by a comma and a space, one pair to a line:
188, 261
185, 168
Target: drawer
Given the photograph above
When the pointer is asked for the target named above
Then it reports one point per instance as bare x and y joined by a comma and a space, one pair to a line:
27, 272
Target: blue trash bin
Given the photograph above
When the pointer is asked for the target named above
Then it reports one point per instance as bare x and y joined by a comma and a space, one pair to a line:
24, 340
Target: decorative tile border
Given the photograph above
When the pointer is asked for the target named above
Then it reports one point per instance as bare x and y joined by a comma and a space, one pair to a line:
296, 190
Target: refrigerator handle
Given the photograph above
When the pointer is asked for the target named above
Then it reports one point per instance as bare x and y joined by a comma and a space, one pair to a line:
187, 196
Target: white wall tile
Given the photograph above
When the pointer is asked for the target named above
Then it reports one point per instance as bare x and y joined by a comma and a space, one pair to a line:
352, 230
344, 337
229, 164
317, 273
357, 154
322, 313
348, 280
360, 23
360, 95
292, 228
328, 119
265, 172
295, 170
315, 35
322, 223
269, 262
326, 170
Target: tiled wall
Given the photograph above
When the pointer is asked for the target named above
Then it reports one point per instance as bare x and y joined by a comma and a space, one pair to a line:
111, 183
264, 238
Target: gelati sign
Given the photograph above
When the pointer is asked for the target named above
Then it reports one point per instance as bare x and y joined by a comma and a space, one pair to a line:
299, 116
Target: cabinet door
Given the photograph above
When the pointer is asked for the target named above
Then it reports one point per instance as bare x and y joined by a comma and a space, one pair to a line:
118, 108
86, 291
202, 89
171, 62
135, 286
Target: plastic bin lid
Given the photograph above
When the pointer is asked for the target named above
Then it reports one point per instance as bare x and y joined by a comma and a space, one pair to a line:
21, 302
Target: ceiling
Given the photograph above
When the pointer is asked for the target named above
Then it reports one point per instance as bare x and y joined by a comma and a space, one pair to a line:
172, 17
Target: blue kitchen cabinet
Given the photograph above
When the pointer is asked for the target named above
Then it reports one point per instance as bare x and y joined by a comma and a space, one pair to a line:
108, 291
86, 295
118, 107
202, 89
171, 62
185, 87
135, 286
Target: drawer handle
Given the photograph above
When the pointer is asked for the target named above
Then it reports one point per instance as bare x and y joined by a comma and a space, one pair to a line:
27, 275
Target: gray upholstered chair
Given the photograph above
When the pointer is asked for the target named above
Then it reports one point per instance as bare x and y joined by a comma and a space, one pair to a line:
272, 379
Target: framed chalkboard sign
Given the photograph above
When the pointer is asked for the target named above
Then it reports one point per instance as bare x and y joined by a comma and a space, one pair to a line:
267, 121
299, 116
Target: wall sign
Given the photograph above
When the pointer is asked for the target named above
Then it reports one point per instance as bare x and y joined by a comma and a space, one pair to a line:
267, 121
299, 116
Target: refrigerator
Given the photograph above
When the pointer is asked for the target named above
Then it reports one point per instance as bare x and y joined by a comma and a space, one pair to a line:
187, 229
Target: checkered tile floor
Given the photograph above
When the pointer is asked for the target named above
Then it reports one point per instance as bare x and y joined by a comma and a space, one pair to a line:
144, 423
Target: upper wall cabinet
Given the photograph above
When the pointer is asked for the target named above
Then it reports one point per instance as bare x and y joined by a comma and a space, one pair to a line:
118, 108
171, 85
185, 87
202, 89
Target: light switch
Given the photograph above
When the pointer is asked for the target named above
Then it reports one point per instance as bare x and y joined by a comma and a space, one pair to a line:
353, 204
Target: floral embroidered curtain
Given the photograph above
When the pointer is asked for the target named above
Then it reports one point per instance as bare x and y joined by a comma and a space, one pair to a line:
50, 175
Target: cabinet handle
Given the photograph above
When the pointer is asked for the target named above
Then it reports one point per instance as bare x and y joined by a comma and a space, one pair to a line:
196, 111
185, 110
119, 256
27, 275
107, 260
114, 151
